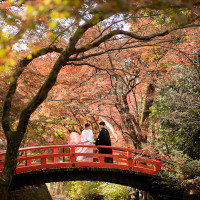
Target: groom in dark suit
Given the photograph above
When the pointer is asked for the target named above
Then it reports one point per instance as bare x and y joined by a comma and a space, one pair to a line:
104, 139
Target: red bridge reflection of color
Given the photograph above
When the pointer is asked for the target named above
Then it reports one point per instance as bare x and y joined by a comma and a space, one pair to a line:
64, 156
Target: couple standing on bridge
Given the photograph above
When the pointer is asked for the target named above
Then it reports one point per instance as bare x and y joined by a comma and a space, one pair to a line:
87, 138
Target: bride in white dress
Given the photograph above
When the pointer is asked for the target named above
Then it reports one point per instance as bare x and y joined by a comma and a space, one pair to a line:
87, 138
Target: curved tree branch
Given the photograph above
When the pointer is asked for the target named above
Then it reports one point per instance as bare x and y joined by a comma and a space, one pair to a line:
130, 34
13, 85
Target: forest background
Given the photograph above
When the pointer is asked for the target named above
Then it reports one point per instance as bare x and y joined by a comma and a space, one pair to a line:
135, 65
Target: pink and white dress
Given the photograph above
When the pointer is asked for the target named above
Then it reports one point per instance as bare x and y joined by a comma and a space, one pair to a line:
87, 138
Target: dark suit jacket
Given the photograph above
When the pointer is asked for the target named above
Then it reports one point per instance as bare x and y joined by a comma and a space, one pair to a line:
104, 139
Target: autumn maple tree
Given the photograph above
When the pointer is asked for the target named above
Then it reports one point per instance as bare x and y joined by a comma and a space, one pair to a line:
54, 26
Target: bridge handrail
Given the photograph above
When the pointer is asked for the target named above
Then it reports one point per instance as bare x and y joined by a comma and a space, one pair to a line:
124, 158
143, 152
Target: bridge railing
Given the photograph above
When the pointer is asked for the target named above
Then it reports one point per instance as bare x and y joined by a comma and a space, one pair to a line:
62, 156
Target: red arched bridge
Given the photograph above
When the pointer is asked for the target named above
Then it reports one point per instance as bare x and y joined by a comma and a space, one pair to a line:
58, 156
59, 163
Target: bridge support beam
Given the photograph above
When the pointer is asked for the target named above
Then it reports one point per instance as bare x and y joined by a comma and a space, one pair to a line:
159, 188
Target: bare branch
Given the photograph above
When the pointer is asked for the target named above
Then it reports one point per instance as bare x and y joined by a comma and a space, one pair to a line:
130, 34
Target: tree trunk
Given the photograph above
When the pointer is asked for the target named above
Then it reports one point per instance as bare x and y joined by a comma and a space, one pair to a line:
149, 97
3, 191
129, 122
57, 188
10, 164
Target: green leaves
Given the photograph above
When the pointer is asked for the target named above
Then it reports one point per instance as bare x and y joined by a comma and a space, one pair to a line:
84, 190
177, 109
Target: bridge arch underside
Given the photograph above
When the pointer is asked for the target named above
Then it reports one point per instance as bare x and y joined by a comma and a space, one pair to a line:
129, 178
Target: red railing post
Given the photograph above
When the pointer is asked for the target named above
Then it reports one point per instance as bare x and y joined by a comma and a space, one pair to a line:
43, 161
55, 151
1, 162
101, 159
129, 160
28, 161
72, 156
156, 167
